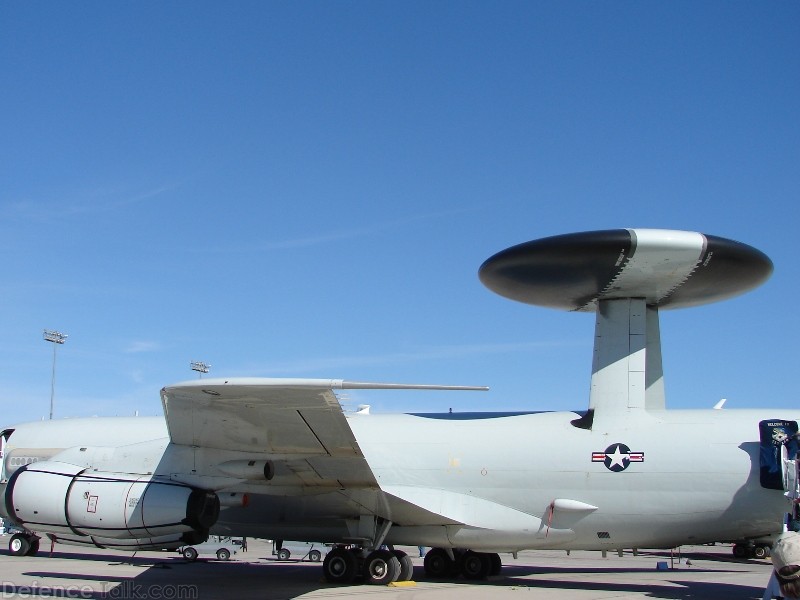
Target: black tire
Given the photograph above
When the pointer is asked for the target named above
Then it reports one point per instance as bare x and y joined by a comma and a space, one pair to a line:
475, 565
19, 544
339, 566
761, 551
406, 566
438, 564
381, 567
741, 551
315, 556
189, 554
284, 554
223, 554
34, 548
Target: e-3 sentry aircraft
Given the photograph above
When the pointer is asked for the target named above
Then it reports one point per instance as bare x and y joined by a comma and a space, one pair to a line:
280, 459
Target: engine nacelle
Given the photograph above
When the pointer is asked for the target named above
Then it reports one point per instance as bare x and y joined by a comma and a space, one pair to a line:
68, 500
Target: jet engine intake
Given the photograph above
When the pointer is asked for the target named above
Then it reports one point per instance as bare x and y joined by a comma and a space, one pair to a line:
66, 499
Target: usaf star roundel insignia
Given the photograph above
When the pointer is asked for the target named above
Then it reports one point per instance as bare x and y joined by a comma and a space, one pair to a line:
617, 457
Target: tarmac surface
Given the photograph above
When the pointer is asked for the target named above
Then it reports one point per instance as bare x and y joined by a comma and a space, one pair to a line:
702, 572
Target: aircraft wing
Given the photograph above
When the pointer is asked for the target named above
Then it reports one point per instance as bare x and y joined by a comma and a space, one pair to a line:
280, 416
285, 417
297, 421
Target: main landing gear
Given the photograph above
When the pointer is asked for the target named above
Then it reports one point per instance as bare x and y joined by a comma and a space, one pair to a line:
23, 544
378, 564
751, 550
442, 563
378, 567
383, 566
373, 561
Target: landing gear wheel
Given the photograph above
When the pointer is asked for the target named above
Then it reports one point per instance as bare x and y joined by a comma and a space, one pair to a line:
315, 556
284, 554
475, 565
438, 564
190, 554
406, 566
223, 554
761, 551
497, 564
19, 544
339, 566
741, 551
381, 567
34, 547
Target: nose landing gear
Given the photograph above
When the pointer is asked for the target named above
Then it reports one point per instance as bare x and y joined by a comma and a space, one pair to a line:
23, 544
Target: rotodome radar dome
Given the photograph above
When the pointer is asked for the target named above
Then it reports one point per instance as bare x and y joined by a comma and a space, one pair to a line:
670, 269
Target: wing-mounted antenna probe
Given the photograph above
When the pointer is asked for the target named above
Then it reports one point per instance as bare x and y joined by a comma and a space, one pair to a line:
625, 276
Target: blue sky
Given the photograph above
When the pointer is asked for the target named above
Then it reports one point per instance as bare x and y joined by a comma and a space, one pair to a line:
307, 189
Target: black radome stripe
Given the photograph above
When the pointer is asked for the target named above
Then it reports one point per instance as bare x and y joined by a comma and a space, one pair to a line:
728, 268
564, 271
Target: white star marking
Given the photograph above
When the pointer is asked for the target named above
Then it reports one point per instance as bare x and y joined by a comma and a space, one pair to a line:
618, 457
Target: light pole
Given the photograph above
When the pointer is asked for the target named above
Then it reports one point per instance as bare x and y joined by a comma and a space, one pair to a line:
56, 337
200, 367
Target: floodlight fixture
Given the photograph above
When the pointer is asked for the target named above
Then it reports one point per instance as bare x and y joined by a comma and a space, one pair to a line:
56, 337
200, 367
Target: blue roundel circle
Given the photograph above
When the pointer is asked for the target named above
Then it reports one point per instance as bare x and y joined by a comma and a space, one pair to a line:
618, 457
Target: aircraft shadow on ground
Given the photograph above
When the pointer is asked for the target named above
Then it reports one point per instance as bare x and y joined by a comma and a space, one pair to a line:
527, 570
105, 558
147, 586
178, 578
720, 558
669, 589
273, 580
